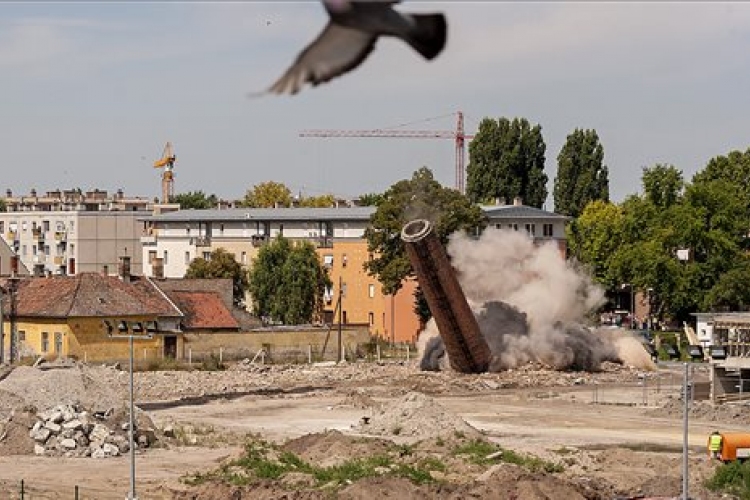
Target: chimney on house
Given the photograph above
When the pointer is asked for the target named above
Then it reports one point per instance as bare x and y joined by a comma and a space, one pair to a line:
125, 268
8, 193
517, 201
157, 268
14, 265
105, 270
500, 201
33, 193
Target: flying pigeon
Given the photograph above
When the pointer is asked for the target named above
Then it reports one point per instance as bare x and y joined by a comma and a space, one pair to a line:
350, 36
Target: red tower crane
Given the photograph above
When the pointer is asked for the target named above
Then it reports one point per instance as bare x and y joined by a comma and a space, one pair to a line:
457, 135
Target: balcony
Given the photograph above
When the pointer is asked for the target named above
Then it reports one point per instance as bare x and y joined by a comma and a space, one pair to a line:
40, 259
61, 235
59, 260
258, 240
148, 241
37, 235
324, 242
201, 241
11, 236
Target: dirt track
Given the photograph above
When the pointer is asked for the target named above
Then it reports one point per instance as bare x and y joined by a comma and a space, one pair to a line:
618, 442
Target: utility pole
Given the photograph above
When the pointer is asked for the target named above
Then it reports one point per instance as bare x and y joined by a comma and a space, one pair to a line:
686, 386
341, 309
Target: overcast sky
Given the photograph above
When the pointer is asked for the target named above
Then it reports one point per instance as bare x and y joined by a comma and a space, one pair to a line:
92, 91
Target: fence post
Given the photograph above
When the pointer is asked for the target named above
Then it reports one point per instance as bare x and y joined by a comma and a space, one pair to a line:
22, 491
309, 354
190, 356
377, 349
407, 352
645, 390
221, 355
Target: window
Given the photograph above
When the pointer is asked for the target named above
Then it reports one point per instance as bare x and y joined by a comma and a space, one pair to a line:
72, 226
531, 229
221, 229
45, 341
243, 258
343, 291
2, 226
371, 318
372, 291
187, 258
45, 226
328, 260
46, 249
72, 247
344, 260
547, 230
21, 336
206, 256
498, 226
187, 230
514, 227
23, 226
58, 342
24, 250
151, 256
166, 257
281, 229
33, 249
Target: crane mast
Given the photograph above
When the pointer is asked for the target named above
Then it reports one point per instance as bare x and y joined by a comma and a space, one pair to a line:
457, 135
167, 162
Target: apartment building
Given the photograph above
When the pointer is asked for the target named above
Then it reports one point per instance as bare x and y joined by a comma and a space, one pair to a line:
538, 224
172, 240
68, 232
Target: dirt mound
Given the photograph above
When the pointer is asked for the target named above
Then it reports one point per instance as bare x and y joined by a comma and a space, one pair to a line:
95, 387
264, 490
704, 410
415, 415
333, 448
358, 399
391, 487
14, 433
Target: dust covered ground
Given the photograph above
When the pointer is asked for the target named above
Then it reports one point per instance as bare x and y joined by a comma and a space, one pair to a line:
612, 434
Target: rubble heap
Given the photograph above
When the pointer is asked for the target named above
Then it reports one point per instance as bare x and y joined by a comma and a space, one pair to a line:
71, 431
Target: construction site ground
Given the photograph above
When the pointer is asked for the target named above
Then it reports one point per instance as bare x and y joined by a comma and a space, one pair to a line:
617, 433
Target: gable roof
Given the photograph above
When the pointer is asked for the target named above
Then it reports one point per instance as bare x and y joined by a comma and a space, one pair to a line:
91, 295
203, 310
519, 212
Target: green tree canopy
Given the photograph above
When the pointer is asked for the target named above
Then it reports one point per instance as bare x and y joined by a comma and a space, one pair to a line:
370, 199
421, 197
581, 174
221, 264
268, 195
287, 282
322, 201
595, 236
506, 160
195, 199
662, 185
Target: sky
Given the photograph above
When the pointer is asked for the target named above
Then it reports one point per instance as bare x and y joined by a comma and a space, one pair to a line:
92, 91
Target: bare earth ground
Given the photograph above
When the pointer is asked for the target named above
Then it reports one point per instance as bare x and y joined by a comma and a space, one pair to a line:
617, 433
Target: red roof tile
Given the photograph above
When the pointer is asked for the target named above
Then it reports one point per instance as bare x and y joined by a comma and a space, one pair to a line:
91, 295
203, 310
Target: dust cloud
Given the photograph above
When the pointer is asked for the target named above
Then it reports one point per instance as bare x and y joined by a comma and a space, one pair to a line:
531, 306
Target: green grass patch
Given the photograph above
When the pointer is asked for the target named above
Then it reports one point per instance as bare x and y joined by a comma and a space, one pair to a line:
478, 452
263, 460
732, 478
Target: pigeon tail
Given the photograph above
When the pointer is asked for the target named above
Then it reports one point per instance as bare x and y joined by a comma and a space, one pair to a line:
429, 34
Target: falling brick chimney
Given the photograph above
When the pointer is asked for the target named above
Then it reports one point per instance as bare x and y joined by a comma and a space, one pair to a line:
125, 269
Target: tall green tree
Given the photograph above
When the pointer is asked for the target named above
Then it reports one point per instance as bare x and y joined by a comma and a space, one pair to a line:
421, 197
595, 236
195, 199
506, 160
221, 264
287, 282
268, 195
662, 184
582, 176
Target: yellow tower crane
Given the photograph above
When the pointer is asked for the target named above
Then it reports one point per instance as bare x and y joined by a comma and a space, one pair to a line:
167, 162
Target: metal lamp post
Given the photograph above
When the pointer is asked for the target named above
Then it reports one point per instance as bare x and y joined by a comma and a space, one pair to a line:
632, 303
130, 334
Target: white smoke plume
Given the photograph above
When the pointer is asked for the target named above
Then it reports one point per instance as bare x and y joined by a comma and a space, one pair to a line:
531, 304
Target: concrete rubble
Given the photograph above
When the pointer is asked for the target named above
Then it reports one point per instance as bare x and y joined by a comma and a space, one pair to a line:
72, 431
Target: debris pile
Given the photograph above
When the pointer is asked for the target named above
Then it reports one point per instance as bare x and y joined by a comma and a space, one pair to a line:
71, 431
414, 415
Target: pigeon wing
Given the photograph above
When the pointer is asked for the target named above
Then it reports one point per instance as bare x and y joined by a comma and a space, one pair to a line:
336, 51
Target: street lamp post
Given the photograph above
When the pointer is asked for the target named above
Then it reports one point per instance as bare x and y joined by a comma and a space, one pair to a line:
632, 303
130, 334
